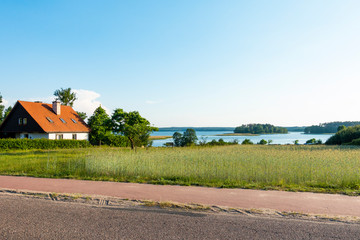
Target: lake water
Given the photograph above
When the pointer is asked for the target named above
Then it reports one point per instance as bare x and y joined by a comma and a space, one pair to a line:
276, 138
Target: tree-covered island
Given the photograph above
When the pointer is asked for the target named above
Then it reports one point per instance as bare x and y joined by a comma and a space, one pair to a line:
259, 129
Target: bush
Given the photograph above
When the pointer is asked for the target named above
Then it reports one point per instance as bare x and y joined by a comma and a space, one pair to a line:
247, 141
25, 144
354, 142
345, 136
221, 142
116, 141
311, 141
262, 142
314, 141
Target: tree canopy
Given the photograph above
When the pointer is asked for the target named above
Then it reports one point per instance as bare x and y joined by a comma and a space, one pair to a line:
82, 115
347, 136
188, 138
259, 129
100, 126
130, 124
2, 107
331, 127
65, 96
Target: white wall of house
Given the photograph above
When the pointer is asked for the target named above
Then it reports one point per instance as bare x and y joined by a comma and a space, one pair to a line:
32, 135
82, 136
79, 136
53, 136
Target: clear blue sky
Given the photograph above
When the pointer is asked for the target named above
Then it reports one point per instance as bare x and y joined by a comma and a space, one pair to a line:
185, 62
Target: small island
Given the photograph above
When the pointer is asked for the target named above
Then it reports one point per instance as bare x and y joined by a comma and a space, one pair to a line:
159, 137
259, 129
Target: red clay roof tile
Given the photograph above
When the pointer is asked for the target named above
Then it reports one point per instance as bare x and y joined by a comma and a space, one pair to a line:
41, 111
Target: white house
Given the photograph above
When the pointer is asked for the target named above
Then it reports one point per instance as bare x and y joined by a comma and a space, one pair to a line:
40, 120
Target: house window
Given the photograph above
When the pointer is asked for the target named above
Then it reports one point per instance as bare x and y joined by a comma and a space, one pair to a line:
74, 137
74, 121
20, 121
49, 119
59, 136
62, 120
24, 121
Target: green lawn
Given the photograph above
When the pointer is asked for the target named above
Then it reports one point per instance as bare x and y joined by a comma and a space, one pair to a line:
295, 168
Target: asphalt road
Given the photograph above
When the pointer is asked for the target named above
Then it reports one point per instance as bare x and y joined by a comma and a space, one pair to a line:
30, 218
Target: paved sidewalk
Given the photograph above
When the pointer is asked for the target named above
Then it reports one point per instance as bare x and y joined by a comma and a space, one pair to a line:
312, 203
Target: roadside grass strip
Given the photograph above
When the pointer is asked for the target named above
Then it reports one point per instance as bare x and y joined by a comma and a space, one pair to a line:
326, 169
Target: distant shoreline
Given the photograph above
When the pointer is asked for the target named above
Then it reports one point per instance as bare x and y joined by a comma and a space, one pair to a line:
237, 134
247, 134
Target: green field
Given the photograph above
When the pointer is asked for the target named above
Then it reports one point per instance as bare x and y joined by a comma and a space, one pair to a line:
295, 168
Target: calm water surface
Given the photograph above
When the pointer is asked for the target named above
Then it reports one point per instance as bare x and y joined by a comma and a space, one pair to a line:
276, 138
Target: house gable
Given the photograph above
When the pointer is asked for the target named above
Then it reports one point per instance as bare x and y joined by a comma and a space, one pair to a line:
12, 124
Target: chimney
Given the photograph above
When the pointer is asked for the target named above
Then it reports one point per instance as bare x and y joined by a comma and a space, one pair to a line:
56, 105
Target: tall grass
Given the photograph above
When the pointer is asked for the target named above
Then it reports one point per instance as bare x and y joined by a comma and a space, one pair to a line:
299, 168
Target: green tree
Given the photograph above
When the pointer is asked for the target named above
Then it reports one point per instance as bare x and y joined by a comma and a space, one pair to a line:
2, 107
296, 142
65, 96
346, 136
7, 111
262, 142
131, 125
82, 115
189, 137
100, 126
247, 142
177, 138
341, 128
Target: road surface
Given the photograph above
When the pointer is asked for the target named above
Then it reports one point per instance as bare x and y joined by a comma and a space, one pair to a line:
30, 218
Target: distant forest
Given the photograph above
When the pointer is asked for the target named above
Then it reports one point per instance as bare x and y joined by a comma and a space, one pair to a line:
296, 129
331, 127
183, 129
260, 129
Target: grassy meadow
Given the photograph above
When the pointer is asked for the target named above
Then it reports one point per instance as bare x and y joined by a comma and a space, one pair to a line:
329, 169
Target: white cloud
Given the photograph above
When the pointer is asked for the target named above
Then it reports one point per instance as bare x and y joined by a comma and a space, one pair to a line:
87, 101
5, 103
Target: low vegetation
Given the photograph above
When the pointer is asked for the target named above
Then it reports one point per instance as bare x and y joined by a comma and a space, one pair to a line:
219, 142
317, 168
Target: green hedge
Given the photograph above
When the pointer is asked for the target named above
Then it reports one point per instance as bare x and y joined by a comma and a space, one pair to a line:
116, 141
24, 144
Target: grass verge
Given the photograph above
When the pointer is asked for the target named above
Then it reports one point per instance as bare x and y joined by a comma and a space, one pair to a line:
325, 169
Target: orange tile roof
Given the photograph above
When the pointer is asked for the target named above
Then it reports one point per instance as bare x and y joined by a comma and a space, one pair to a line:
40, 112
